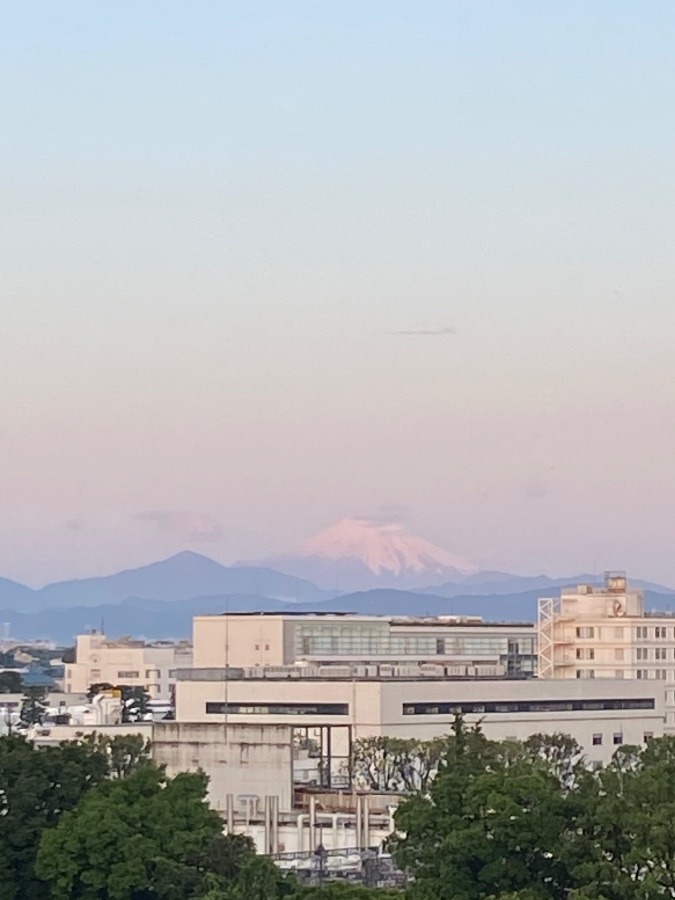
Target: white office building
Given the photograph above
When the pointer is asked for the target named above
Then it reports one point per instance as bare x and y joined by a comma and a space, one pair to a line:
459, 645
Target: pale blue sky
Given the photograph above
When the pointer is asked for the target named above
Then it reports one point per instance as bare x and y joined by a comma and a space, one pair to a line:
215, 217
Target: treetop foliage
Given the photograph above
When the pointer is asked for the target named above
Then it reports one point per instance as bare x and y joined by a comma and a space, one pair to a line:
532, 821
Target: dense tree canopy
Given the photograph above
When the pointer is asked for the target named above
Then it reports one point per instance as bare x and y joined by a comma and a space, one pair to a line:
10, 683
531, 821
488, 821
134, 837
36, 787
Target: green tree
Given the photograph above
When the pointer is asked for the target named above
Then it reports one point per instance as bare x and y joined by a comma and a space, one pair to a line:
132, 838
385, 763
492, 822
10, 683
227, 853
632, 825
135, 700
125, 753
98, 687
36, 786
259, 878
562, 756
33, 706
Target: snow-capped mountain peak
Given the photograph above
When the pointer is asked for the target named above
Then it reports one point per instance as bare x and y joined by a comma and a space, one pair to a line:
384, 549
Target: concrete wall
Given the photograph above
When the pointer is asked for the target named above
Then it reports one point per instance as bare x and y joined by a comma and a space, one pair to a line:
238, 640
238, 759
55, 734
362, 698
376, 706
632, 724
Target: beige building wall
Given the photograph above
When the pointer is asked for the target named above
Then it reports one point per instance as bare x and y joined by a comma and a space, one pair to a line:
239, 759
252, 696
246, 640
134, 663
424, 708
591, 633
238, 640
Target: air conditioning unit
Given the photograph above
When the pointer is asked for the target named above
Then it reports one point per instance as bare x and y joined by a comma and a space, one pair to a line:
432, 670
337, 671
455, 671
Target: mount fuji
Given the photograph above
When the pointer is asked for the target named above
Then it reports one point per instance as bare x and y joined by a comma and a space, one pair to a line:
361, 553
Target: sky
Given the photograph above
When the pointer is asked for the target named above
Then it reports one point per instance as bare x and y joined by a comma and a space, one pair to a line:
269, 264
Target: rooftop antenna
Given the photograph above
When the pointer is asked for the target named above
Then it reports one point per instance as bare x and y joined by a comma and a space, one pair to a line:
227, 656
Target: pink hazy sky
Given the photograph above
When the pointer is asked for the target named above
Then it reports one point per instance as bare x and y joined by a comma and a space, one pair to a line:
271, 265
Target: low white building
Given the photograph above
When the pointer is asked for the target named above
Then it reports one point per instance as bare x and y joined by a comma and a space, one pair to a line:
125, 661
600, 715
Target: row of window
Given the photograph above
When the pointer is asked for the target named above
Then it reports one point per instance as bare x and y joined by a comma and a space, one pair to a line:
660, 632
617, 738
642, 653
659, 653
640, 674
278, 709
520, 706
642, 632
431, 709
132, 673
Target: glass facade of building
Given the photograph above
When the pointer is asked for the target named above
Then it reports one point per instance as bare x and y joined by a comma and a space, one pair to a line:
374, 642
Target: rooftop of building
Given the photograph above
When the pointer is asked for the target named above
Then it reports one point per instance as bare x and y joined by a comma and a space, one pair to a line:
355, 672
426, 621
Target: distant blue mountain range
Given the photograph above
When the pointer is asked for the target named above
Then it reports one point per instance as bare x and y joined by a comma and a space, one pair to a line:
159, 600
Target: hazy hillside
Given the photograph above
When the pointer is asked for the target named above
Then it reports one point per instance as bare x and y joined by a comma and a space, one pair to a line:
14, 595
173, 619
180, 577
152, 619
502, 583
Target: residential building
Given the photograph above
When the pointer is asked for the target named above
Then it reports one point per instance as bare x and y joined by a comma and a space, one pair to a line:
592, 632
151, 666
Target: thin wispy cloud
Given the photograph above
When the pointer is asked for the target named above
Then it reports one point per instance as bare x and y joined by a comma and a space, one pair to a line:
429, 332
188, 526
76, 524
388, 514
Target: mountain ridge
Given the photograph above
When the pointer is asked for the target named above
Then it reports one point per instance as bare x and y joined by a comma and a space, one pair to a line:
156, 619
178, 577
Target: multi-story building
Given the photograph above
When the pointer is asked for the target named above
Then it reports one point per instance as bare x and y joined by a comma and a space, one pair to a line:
461, 645
272, 705
591, 632
362, 676
126, 662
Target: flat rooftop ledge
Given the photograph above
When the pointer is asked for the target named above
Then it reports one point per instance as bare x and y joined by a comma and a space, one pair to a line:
234, 674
